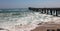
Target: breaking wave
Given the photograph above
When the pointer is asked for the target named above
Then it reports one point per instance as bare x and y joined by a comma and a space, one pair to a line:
22, 20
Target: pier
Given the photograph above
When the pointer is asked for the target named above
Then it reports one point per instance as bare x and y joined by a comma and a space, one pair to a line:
50, 11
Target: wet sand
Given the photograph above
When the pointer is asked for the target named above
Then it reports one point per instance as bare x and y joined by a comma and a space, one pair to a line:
48, 26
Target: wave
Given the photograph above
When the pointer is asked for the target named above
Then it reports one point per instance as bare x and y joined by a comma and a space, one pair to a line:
22, 21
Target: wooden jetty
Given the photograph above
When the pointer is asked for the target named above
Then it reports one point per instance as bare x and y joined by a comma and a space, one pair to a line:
51, 11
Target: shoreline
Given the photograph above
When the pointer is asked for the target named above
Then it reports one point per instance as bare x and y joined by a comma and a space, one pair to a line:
48, 26
33, 26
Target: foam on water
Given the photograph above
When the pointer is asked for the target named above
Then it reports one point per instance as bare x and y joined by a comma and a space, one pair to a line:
27, 22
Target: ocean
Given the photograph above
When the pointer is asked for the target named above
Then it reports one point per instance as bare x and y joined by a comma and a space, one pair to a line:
21, 19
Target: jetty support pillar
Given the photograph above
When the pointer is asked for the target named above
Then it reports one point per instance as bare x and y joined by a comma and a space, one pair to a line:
41, 10
51, 12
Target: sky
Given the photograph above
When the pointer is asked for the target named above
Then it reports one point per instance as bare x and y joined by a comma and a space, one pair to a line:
29, 3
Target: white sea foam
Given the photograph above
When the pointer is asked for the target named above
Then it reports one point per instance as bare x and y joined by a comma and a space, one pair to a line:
26, 23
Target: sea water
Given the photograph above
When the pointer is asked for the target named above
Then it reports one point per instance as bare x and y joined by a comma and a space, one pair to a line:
21, 19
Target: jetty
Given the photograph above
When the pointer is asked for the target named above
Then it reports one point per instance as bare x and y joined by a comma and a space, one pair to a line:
50, 11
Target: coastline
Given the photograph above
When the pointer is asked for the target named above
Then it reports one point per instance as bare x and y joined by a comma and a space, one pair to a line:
51, 25
35, 25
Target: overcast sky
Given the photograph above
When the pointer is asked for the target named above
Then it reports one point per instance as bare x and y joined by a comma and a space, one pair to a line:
29, 3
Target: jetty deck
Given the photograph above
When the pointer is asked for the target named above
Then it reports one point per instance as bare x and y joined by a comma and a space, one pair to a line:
51, 11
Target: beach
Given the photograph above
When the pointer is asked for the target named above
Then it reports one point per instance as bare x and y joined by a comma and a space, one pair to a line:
51, 25
25, 20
